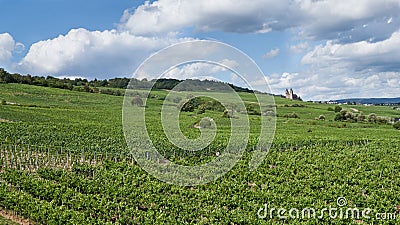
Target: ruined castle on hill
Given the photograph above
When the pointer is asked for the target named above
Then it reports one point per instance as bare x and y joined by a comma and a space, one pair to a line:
291, 95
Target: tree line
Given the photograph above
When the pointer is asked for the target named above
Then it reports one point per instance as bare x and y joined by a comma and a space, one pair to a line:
98, 86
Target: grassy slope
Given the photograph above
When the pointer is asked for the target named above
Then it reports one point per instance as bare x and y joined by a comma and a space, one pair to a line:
367, 175
5, 221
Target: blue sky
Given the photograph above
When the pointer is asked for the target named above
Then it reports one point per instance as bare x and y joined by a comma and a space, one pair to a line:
323, 49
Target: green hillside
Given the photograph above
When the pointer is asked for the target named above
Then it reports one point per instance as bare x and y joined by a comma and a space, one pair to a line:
312, 163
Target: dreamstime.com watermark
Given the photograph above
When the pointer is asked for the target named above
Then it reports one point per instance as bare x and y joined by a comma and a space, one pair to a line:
341, 211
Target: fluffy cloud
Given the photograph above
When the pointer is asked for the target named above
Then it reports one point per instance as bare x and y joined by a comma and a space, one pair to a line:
91, 53
299, 48
271, 54
165, 16
349, 20
318, 86
359, 52
7, 47
346, 70
346, 20
378, 56
204, 70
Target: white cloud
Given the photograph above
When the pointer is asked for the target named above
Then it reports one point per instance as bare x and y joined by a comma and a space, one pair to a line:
203, 70
379, 56
299, 48
91, 53
271, 54
316, 86
360, 69
360, 52
71, 77
344, 20
165, 16
7, 47
361, 43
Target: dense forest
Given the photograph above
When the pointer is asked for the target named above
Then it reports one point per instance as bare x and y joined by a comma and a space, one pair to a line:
109, 86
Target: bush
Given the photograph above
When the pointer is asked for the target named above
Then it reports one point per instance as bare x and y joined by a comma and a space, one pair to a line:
189, 106
78, 88
201, 109
2, 102
382, 120
321, 117
361, 117
213, 105
292, 115
397, 125
330, 109
253, 109
349, 116
372, 118
338, 108
339, 117
137, 101
269, 113
227, 114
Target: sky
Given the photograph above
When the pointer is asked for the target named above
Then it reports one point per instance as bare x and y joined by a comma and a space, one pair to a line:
325, 49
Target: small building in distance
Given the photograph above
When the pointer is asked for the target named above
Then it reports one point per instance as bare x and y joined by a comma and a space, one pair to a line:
291, 95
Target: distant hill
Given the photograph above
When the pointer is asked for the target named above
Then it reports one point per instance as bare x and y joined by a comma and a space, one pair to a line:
374, 101
95, 85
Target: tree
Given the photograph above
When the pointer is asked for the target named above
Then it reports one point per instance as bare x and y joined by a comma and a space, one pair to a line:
189, 106
338, 108
341, 116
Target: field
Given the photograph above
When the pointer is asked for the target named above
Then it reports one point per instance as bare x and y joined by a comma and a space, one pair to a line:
64, 160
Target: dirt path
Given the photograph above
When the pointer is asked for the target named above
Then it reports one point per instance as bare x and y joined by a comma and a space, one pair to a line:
15, 219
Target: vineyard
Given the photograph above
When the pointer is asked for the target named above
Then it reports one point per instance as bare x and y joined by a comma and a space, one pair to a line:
64, 160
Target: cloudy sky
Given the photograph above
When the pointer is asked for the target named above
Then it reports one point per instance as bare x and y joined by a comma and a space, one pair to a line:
323, 49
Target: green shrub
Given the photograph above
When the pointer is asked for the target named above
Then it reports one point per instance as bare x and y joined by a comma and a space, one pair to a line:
253, 109
372, 118
361, 117
269, 113
397, 125
227, 114
339, 117
201, 109
338, 108
330, 109
382, 120
291, 115
321, 117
